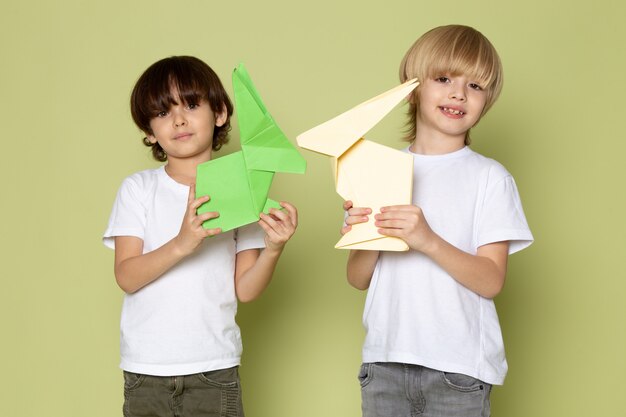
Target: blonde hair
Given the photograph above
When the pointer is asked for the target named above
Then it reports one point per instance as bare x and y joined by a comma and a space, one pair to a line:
452, 50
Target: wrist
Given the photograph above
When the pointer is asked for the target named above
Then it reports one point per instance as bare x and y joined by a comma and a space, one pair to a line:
273, 250
432, 245
179, 249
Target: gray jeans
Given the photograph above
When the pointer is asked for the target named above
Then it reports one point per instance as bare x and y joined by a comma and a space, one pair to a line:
208, 394
402, 390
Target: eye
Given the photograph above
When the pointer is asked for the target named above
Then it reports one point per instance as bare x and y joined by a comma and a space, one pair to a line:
192, 106
475, 86
442, 79
162, 113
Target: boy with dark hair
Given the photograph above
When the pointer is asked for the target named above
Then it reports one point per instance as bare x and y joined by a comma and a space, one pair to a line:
180, 344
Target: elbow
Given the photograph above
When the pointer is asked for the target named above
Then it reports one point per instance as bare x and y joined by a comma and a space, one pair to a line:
246, 298
494, 289
126, 288
124, 284
247, 295
359, 284
490, 295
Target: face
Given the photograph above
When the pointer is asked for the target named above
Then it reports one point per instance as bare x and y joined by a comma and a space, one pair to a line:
448, 107
185, 130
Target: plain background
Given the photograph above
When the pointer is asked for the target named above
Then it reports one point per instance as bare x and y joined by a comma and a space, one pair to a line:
68, 141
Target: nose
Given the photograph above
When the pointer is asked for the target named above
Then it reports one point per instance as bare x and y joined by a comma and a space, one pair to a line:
179, 118
457, 93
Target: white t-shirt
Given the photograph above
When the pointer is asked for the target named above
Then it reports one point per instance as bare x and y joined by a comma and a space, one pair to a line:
184, 321
417, 313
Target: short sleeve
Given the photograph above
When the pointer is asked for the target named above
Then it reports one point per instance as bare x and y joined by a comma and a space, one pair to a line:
250, 236
502, 217
128, 217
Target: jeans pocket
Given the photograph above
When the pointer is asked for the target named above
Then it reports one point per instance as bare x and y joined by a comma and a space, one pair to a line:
221, 378
222, 387
132, 380
365, 374
462, 382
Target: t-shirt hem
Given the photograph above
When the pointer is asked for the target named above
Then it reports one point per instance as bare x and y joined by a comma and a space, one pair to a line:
519, 239
109, 236
488, 377
178, 369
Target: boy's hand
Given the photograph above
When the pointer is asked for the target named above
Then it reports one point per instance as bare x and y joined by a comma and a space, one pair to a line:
407, 223
191, 233
355, 215
279, 225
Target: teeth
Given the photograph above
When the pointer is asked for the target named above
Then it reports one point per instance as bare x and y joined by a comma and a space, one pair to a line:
452, 111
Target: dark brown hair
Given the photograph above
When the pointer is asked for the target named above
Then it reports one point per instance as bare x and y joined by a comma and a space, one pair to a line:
194, 81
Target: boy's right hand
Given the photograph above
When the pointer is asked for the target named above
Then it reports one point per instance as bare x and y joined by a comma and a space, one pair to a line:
191, 233
355, 215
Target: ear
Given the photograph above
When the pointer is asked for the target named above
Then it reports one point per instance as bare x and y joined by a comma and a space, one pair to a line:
151, 138
221, 117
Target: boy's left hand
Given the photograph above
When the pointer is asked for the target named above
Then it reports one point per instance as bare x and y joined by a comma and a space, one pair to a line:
279, 225
407, 223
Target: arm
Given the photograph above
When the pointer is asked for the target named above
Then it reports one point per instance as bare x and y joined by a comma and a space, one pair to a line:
483, 273
134, 269
361, 263
254, 270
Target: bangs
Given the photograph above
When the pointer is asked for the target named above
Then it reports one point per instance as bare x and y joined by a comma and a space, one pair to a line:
473, 59
177, 85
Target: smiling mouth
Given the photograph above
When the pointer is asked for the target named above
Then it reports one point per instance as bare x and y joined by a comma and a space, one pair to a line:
452, 111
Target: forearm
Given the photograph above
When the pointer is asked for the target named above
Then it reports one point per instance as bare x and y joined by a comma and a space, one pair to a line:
134, 273
360, 268
479, 273
251, 282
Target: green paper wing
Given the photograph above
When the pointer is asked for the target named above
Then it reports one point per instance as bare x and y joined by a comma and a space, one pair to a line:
264, 145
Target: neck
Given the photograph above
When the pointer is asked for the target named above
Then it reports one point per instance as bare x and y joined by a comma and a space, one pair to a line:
183, 170
434, 143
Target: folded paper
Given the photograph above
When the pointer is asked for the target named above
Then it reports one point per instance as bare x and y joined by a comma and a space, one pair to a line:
238, 184
369, 174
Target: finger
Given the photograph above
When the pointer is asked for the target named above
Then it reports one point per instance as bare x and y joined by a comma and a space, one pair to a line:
288, 219
350, 220
212, 232
391, 224
406, 207
269, 220
198, 202
292, 210
345, 229
271, 233
278, 215
207, 216
281, 230
347, 205
390, 232
394, 214
359, 211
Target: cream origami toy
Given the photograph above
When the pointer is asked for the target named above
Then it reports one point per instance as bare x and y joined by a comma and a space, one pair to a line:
369, 174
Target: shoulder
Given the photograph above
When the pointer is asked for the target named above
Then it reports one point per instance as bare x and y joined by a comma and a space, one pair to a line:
492, 170
142, 179
140, 183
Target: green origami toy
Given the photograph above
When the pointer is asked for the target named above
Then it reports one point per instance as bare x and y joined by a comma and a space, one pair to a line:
238, 184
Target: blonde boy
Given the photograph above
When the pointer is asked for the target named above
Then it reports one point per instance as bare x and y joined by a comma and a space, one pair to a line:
433, 345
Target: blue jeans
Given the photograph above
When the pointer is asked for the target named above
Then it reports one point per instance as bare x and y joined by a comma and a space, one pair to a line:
403, 390
209, 394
